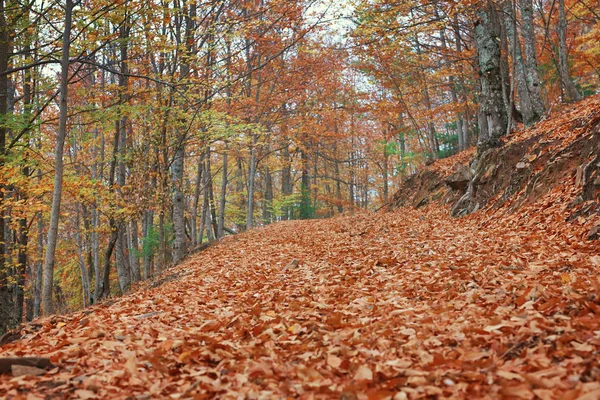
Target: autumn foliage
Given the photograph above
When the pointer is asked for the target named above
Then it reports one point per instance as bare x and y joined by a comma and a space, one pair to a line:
187, 122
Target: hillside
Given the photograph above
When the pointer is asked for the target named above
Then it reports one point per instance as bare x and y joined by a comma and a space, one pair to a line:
407, 303
553, 166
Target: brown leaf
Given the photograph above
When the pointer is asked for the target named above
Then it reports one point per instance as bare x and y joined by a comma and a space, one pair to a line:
363, 373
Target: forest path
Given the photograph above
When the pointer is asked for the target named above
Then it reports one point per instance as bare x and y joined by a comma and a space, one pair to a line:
409, 303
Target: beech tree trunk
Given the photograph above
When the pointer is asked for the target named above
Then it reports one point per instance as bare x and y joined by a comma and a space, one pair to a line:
134, 251
179, 243
122, 259
570, 90
286, 181
223, 197
85, 282
251, 183
520, 76
206, 211
493, 117
195, 202
59, 165
531, 64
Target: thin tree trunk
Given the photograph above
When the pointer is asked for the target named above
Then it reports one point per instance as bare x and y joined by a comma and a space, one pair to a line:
37, 286
286, 181
134, 251
569, 88
179, 243
223, 196
147, 247
198, 186
59, 165
85, 282
206, 212
162, 256
519, 74
305, 204
122, 259
251, 182
5, 298
268, 197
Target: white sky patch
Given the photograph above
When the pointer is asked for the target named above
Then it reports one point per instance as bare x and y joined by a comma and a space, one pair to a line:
335, 17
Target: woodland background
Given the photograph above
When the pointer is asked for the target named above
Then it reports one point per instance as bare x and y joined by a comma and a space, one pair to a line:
132, 132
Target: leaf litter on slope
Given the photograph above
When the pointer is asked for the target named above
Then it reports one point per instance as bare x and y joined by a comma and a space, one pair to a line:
409, 304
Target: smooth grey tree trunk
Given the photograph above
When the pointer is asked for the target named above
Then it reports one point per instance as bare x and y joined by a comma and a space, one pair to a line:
464, 133
519, 73
223, 197
85, 282
134, 251
268, 197
570, 90
531, 64
206, 212
251, 183
453, 93
59, 165
123, 268
286, 181
122, 260
95, 242
195, 202
162, 245
179, 242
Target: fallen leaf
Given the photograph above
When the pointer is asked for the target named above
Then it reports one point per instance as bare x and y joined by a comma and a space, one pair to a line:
363, 373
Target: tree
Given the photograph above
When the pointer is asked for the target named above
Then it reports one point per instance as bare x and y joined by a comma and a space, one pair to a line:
534, 85
492, 115
61, 134
570, 90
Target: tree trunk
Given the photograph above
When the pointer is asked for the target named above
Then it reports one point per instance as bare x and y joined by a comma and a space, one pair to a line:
147, 249
85, 282
223, 197
286, 182
305, 206
251, 182
268, 197
59, 165
206, 211
123, 269
519, 73
196, 199
179, 242
162, 245
570, 90
5, 297
37, 285
134, 251
493, 117
531, 64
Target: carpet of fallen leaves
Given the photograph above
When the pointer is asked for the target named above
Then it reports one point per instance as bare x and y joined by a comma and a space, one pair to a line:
397, 305
408, 304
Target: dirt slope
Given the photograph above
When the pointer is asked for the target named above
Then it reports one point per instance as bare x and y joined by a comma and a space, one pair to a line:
560, 154
406, 304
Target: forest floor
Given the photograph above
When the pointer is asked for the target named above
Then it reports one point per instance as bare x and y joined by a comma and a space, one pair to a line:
409, 303
403, 304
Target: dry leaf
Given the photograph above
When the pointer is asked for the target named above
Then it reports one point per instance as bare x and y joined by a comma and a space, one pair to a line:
333, 361
363, 373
